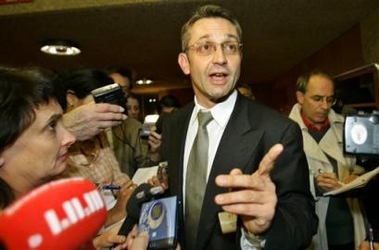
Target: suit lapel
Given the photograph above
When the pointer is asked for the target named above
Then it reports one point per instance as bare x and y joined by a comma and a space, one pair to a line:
175, 131
178, 131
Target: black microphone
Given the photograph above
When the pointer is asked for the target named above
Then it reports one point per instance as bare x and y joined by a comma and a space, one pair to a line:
143, 193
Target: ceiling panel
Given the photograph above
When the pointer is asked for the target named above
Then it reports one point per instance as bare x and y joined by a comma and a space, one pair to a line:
145, 35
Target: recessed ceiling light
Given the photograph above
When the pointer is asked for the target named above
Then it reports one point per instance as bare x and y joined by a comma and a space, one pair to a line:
60, 48
144, 81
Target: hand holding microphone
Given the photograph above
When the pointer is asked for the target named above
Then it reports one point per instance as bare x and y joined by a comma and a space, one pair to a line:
63, 214
123, 193
143, 193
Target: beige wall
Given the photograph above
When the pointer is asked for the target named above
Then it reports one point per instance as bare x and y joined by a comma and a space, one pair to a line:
370, 38
356, 47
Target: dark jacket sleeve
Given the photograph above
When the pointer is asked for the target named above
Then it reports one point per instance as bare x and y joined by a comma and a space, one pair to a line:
295, 220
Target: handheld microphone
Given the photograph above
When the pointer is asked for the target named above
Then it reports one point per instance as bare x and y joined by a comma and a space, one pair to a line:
148, 194
62, 214
141, 194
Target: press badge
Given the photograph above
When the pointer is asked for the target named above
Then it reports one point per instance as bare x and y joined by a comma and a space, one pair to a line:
228, 222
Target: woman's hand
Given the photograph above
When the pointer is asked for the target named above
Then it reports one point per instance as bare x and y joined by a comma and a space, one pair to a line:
119, 210
106, 240
155, 142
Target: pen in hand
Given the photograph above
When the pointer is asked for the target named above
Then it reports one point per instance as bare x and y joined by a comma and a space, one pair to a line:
109, 186
320, 171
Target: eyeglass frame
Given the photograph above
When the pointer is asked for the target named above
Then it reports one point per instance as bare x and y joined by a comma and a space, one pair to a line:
330, 100
214, 46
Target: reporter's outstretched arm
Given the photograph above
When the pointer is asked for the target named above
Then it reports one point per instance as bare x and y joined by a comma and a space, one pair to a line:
92, 118
140, 242
109, 240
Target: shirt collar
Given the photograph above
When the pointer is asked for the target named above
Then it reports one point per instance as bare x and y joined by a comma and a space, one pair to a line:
310, 126
221, 112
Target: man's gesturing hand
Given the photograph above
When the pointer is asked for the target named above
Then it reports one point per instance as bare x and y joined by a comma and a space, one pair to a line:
253, 196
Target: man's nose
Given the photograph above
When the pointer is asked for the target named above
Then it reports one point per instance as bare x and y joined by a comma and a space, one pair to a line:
219, 55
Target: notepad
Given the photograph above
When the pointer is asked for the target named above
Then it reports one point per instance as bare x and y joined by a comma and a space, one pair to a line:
144, 174
359, 182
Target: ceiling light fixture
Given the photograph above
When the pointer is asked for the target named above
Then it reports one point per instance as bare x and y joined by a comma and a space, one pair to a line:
60, 48
144, 81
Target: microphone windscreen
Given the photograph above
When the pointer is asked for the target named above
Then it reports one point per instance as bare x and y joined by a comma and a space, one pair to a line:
133, 207
62, 214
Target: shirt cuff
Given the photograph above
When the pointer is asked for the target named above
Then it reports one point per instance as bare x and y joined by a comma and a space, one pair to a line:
251, 241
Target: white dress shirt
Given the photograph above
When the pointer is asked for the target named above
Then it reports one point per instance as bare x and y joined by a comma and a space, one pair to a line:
221, 113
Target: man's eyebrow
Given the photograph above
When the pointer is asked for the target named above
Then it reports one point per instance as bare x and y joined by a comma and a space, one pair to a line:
228, 36
324, 95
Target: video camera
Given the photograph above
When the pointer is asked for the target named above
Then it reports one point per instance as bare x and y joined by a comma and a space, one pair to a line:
361, 133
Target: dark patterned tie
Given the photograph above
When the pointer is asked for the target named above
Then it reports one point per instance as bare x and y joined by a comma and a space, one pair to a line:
196, 179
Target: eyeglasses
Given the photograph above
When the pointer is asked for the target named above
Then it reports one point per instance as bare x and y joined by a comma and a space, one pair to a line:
330, 100
207, 48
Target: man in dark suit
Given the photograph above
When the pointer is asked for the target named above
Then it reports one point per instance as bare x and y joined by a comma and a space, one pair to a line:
256, 166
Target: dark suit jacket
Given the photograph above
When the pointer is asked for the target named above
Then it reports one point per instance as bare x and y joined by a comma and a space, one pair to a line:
249, 134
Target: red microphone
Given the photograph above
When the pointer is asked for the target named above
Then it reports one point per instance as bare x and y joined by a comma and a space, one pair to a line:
62, 214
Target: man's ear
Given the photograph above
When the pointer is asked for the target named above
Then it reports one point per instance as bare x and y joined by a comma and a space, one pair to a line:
300, 97
183, 63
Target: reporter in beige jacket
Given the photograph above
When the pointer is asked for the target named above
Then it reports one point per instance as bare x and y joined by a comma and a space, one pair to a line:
322, 131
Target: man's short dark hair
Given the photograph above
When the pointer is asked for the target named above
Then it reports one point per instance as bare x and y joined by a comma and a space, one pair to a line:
303, 80
208, 11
